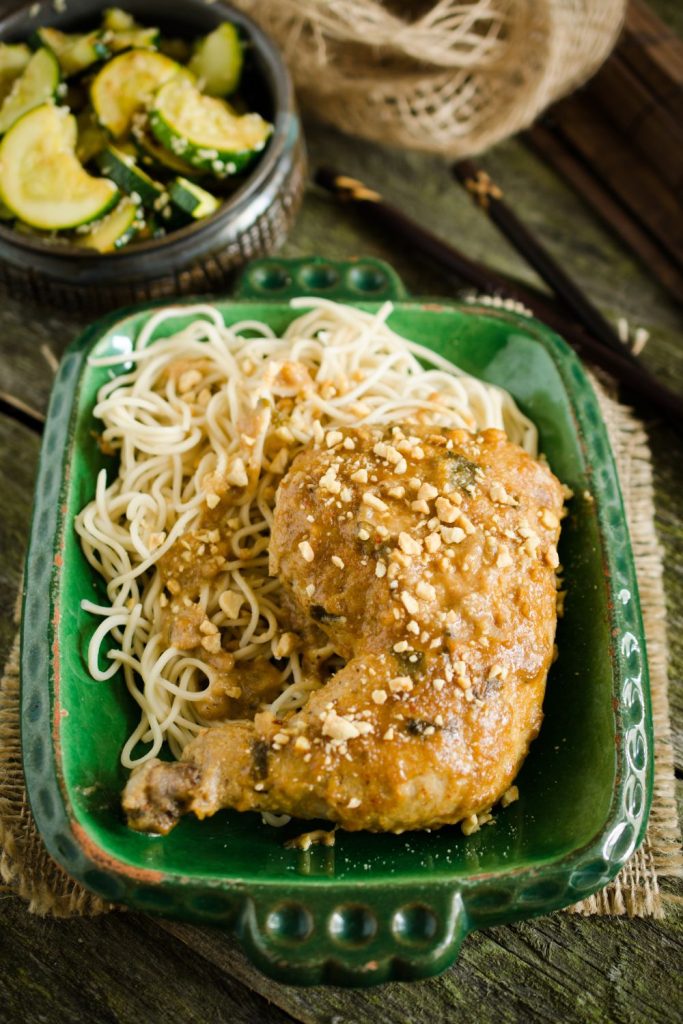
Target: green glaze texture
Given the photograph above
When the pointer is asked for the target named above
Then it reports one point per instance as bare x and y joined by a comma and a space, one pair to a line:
373, 907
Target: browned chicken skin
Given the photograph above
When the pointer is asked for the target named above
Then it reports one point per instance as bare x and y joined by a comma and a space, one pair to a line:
428, 559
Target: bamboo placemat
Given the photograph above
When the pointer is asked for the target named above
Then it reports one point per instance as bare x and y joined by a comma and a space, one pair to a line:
27, 869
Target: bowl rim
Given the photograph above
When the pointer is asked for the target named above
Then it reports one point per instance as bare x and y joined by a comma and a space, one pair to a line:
284, 104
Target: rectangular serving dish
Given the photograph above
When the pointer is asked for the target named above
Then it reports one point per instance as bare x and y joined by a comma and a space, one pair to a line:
374, 907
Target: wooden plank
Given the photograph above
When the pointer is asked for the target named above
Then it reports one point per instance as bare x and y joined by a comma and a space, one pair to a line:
586, 129
19, 449
557, 968
547, 145
114, 969
32, 340
646, 121
130, 968
655, 52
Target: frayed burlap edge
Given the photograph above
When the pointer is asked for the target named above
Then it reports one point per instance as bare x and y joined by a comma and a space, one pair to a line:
635, 890
25, 865
27, 869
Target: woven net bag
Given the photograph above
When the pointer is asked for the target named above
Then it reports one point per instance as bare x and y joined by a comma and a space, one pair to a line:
448, 77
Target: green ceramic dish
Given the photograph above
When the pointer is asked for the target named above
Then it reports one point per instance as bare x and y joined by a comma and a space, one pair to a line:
375, 907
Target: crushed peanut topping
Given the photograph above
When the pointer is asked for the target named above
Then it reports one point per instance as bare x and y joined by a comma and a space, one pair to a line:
306, 551
408, 544
401, 684
509, 796
285, 645
343, 727
409, 603
427, 492
230, 602
504, 559
425, 591
452, 534
212, 643
237, 473
499, 494
433, 543
372, 501
329, 481
446, 510
469, 825
549, 519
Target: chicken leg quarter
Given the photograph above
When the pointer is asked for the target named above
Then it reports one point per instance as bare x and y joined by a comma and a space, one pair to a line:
427, 557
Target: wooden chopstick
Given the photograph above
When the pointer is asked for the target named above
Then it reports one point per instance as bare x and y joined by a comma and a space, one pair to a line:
486, 280
627, 368
489, 197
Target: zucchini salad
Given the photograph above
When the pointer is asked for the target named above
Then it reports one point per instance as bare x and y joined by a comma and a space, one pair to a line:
122, 134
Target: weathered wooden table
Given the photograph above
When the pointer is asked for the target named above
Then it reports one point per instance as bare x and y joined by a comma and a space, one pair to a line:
126, 967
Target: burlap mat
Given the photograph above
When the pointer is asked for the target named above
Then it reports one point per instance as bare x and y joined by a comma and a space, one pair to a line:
444, 76
27, 869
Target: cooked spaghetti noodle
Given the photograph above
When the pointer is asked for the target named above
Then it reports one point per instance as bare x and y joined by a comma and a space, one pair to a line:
205, 424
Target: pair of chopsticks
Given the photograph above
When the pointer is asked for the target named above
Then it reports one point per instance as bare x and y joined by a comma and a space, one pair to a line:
570, 314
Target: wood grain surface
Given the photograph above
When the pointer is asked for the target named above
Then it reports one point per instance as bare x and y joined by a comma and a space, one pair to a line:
126, 967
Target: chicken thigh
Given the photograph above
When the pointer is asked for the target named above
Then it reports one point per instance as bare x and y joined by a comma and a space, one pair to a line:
427, 557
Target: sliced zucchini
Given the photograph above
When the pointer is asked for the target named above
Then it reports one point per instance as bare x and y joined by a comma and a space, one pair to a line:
37, 83
116, 230
5, 212
122, 32
13, 59
41, 180
205, 131
116, 20
192, 199
75, 53
91, 138
138, 39
218, 59
127, 83
152, 153
120, 166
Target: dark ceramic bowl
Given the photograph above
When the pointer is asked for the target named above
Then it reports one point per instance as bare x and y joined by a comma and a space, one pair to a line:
199, 257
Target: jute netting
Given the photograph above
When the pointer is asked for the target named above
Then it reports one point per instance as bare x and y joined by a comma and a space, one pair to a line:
448, 77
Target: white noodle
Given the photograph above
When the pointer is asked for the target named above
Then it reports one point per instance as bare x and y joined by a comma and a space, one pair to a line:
355, 370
